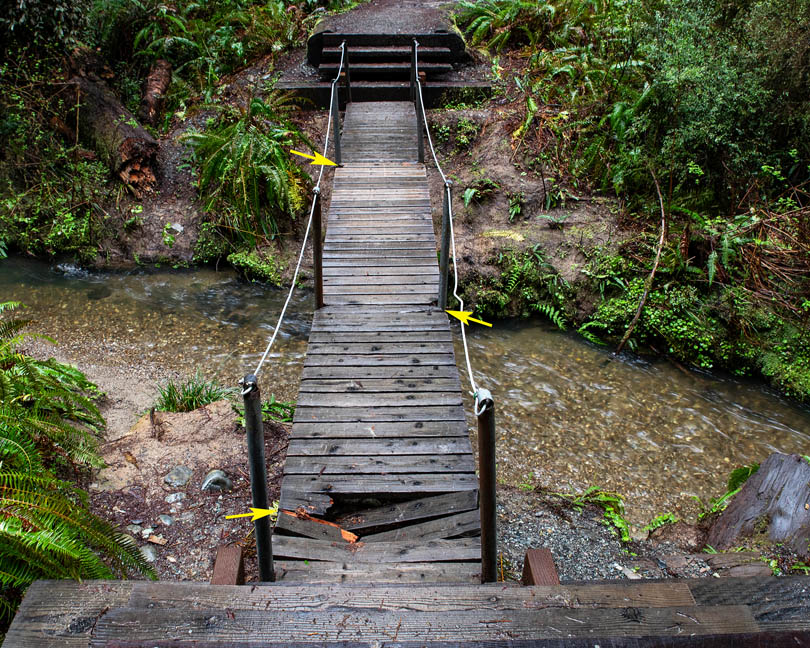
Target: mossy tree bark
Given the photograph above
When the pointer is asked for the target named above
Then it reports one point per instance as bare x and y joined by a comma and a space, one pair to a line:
775, 500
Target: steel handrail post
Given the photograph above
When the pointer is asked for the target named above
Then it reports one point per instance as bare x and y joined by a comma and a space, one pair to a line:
486, 484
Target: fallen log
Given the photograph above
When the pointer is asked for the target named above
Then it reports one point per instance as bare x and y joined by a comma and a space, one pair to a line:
157, 83
775, 501
107, 127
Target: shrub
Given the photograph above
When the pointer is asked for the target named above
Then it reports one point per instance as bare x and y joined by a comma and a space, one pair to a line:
193, 393
245, 169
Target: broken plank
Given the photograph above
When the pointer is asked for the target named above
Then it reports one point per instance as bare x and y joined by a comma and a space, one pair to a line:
425, 508
440, 528
299, 523
378, 552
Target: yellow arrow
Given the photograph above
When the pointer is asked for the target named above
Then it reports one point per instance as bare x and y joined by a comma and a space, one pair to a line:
317, 159
465, 318
257, 514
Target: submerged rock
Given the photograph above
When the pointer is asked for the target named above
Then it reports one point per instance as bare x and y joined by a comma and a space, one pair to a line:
216, 480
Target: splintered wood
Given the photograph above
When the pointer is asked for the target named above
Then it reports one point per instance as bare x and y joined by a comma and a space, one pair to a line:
379, 446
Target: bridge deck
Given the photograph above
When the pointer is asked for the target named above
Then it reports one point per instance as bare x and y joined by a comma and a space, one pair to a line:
379, 444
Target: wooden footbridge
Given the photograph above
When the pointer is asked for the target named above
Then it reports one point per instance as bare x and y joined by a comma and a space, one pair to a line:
378, 541
379, 444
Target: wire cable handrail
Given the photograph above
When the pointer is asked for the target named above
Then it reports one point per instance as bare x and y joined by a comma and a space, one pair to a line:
316, 196
447, 188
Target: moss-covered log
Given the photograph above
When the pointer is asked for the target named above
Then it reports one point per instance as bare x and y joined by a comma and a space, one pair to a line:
157, 83
114, 134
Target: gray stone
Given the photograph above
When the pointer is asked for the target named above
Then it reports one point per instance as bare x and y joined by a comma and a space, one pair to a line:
149, 553
188, 516
136, 521
147, 532
216, 480
175, 497
134, 528
178, 477
166, 520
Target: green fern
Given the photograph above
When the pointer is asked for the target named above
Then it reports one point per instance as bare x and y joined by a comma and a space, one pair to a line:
589, 335
48, 417
246, 173
553, 313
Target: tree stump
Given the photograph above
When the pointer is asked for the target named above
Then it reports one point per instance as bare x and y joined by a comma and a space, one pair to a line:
775, 500
113, 133
157, 83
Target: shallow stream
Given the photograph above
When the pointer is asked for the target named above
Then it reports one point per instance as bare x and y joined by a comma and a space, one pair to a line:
569, 415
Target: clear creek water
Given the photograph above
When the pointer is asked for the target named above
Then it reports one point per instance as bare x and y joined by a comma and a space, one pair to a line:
569, 415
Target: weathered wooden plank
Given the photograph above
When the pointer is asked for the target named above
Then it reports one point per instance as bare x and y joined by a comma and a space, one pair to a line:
307, 414
335, 572
425, 508
63, 613
316, 504
380, 430
390, 399
332, 485
383, 446
412, 299
378, 552
327, 465
392, 598
777, 603
301, 524
379, 272
379, 360
384, 345
383, 292
426, 282
325, 336
451, 526
257, 627
380, 385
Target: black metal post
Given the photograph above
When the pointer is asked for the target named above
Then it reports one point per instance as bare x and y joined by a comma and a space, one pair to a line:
335, 114
317, 250
413, 70
348, 74
444, 251
258, 474
486, 485
420, 127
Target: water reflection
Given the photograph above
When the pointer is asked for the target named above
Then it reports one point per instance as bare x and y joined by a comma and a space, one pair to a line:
568, 414
571, 416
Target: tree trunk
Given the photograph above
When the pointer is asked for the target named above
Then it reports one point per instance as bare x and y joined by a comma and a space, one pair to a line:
775, 500
157, 83
112, 131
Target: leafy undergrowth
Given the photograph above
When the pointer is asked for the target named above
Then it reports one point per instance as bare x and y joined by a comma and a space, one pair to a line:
689, 111
50, 425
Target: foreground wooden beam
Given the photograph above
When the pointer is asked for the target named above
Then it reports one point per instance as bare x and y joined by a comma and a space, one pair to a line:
539, 569
229, 566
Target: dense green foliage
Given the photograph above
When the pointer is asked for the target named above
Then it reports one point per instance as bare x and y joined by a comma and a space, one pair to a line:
49, 422
190, 394
708, 101
246, 173
55, 198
